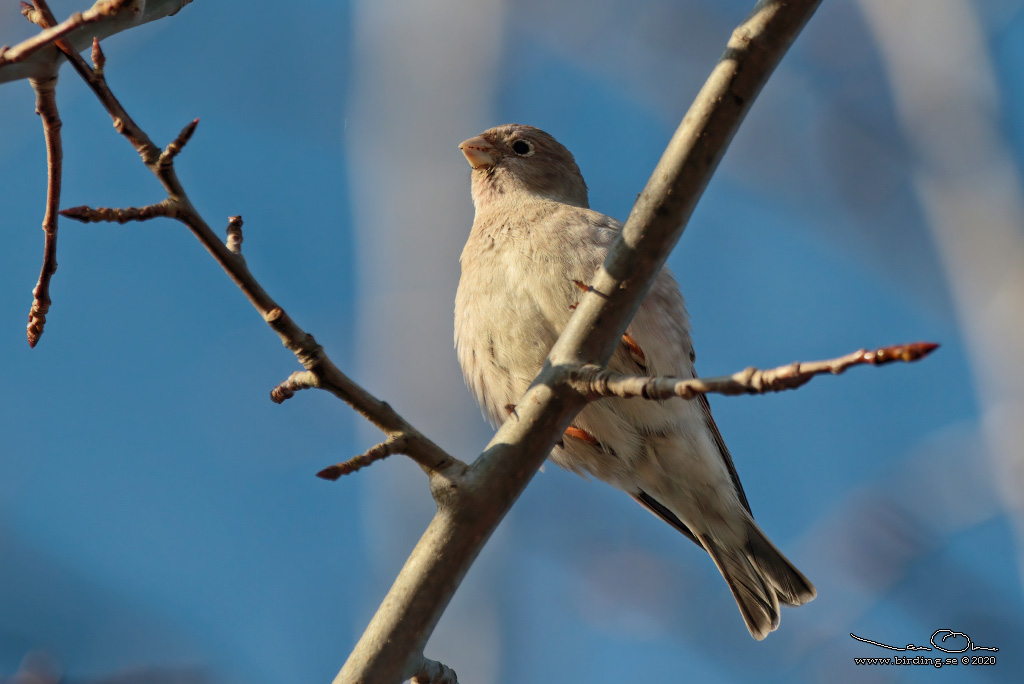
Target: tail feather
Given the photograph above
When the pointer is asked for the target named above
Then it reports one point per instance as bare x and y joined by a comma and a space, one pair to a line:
760, 577
789, 583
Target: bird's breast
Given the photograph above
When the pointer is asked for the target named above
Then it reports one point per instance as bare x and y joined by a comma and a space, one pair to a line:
515, 296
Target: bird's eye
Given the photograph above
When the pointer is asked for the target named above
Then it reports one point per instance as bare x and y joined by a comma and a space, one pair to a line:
524, 148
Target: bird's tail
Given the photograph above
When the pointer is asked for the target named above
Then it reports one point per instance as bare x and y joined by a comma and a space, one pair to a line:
760, 578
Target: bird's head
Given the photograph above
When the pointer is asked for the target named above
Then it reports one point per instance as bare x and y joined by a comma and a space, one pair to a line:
514, 158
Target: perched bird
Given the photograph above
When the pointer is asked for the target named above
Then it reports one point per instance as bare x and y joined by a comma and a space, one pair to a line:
533, 242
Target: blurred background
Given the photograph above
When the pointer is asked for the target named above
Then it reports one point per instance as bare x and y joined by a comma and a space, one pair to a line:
159, 516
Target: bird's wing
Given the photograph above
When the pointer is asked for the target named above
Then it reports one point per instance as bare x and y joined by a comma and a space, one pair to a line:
663, 312
652, 505
723, 450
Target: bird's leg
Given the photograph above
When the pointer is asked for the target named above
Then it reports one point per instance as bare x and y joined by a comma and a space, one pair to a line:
635, 352
573, 431
583, 286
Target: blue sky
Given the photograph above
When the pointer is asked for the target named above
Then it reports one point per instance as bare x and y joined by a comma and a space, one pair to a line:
157, 510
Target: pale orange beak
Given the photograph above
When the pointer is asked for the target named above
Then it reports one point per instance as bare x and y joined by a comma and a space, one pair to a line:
479, 153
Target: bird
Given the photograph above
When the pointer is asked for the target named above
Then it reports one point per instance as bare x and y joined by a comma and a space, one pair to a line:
534, 244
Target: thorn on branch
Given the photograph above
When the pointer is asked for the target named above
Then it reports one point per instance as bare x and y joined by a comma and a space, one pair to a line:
393, 445
104, 214
176, 145
299, 380
234, 241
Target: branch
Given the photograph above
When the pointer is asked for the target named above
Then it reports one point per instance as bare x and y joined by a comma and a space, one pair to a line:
46, 108
26, 48
321, 371
595, 382
86, 214
104, 19
389, 447
408, 441
177, 145
397, 633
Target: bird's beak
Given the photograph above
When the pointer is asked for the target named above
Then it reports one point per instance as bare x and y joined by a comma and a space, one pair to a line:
479, 153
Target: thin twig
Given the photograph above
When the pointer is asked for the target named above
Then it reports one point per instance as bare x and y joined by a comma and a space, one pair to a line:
389, 447
86, 214
46, 107
596, 382
412, 444
178, 144
297, 381
96, 81
26, 48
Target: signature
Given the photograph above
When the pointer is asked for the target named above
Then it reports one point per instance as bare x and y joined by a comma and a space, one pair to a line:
946, 634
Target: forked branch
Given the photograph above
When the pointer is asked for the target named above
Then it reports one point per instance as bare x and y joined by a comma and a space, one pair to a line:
322, 373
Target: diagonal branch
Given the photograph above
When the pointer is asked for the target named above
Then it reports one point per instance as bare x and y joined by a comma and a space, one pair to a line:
595, 382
